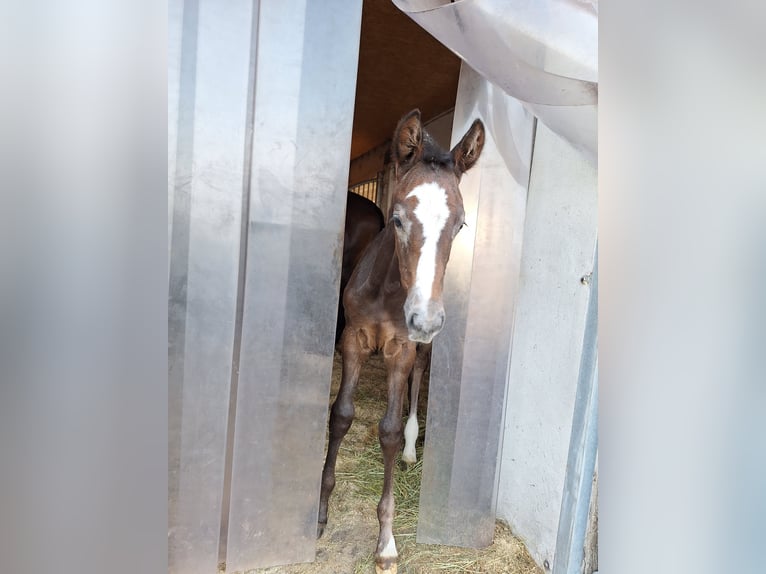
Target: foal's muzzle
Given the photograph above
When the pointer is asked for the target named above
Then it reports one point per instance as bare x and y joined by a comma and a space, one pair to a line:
423, 323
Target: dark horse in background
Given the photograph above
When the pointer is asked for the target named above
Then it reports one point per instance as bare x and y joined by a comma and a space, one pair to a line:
364, 220
393, 299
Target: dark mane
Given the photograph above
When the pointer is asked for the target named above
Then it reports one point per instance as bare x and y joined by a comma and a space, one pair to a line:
434, 154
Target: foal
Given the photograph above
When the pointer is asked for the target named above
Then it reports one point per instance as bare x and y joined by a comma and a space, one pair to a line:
393, 300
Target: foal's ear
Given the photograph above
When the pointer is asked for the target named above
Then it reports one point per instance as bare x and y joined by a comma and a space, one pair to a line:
469, 149
407, 145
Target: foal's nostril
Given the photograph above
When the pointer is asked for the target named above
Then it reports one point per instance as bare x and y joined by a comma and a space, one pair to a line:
413, 318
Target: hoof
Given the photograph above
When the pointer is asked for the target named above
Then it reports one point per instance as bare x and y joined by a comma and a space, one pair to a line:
409, 458
320, 529
390, 570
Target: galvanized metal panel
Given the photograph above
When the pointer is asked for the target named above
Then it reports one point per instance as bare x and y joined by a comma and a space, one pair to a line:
470, 356
583, 446
175, 38
304, 97
204, 269
262, 123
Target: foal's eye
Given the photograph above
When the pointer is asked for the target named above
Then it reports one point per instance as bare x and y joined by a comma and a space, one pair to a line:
397, 222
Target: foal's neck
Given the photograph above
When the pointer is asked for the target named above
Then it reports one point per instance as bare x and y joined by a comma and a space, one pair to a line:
379, 269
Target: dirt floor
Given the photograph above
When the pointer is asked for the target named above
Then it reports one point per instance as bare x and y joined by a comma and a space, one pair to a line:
348, 542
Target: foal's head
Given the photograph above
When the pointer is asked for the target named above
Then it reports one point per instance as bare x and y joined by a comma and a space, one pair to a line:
427, 212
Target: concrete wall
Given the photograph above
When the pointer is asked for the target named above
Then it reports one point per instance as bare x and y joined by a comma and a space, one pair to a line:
559, 240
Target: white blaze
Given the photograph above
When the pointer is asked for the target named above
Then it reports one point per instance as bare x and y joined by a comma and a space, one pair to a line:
432, 212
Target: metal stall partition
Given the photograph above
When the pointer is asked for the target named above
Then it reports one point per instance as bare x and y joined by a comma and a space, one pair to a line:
470, 356
264, 116
304, 103
175, 35
206, 193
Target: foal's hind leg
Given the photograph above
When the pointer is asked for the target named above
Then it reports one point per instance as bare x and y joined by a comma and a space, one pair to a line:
411, 429
341, 414
399, 359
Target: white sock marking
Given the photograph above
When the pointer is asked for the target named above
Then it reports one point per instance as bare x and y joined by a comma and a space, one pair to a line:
390, 550
410, 436
432, 212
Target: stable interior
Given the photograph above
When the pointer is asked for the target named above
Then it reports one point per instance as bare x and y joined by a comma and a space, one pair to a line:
401, 67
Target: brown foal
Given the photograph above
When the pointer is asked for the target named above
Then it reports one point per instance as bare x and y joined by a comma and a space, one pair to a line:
393, 300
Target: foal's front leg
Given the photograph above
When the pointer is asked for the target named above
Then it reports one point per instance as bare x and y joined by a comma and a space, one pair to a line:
399, 358
341, 415
411, 430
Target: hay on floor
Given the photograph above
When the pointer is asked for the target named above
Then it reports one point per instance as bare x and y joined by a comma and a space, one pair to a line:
349, 540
